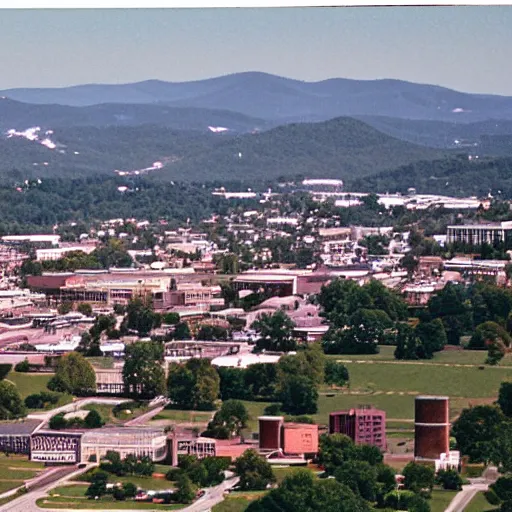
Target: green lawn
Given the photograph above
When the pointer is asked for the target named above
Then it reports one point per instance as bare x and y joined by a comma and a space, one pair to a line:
440, 500
475, 357
15, 470
30, 383
181, 416
102, 362
238, 501
480, 504
413, 378
73, 497
281, 473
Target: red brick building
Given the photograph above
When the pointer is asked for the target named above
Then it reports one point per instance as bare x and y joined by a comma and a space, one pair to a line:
365, 425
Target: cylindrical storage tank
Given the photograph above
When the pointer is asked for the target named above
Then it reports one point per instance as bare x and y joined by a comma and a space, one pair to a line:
270, 432
431, 427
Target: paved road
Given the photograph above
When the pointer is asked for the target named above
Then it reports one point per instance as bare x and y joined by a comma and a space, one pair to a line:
74, 406
464, 497
27, 502
212, 496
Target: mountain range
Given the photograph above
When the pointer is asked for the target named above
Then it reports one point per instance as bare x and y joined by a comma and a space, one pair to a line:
275, 98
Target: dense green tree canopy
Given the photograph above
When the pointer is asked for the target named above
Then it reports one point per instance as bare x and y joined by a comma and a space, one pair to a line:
193, 385
143, 374
73, 374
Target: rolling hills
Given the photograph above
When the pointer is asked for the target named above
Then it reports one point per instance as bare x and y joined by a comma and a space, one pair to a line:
340, 148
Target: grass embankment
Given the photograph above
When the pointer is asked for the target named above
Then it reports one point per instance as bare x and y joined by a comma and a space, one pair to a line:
15, 470
182, 416
480, 504
31, 383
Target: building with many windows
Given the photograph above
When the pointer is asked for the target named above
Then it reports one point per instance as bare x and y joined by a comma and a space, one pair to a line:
365, 425
478, 234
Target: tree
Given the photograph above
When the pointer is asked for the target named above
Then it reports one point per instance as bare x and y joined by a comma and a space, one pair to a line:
232, 383
22, 366
98, 485
408, 345
501, 447
171, 318
410, 263
130, 489
451, 306
360, 476
275, 332
334, 450
181, 332
503, 488
85, 308
336, 373
298, 395
4, 370
94, 419
229, 421
212, 333
355, 339
449, 479
418, 477
113, 253
140, 315
65, 307
487, 333
11, 404
309, 362
113, 464
432, 335
476, 429
193, 385
301, 491
57, 421
185, 492
505, 398
254, 471
74, 375
261, 380
143, 375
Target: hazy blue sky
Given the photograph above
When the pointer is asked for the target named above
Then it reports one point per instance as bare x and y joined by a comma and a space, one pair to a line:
465, 48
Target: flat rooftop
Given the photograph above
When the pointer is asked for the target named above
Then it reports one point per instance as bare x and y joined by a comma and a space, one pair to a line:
18, 428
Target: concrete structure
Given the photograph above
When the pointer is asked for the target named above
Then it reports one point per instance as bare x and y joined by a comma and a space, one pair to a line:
56, 253
364, 425
450, 460
55, 447
109, 381
15, 436
299, 438
477, 234
293, 439
431, 427
270, 432
124, 440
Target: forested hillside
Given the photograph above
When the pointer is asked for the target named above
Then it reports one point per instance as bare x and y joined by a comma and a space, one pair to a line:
456, 176
340, 148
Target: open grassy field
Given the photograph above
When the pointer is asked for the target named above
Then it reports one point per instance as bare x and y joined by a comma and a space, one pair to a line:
15, 470
464, 382
177, 415
237, 501
472, 357
30, 383
73, 497
480, 504
440, 500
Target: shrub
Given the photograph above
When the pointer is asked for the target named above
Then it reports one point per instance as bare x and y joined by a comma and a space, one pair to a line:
130, 490
119, 494
449, 479
22, 366
492, 497
40, 400
94, 420
4, 370
58, 422
398, 500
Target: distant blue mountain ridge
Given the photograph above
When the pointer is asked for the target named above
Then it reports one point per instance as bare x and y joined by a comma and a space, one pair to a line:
277, 100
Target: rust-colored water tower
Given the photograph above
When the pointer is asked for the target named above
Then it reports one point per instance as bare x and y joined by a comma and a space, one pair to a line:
431, 427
